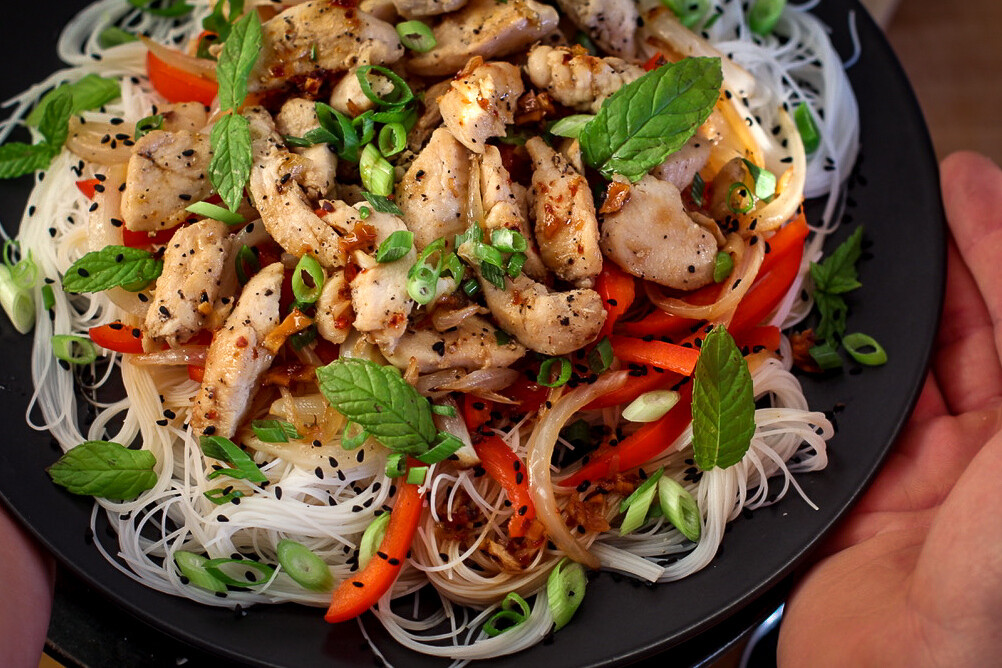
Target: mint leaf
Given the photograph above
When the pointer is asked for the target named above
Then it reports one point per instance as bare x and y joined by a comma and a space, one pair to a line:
54, 125
644, 121
112, 267
218, 23
723, 403
833, 311
105, 469
236, 60
232, 160
381, 401
571, 126
90, 92
837, 273
18, 159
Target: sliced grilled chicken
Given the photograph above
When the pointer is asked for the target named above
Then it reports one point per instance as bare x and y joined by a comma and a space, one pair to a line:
297, 117
237, 357
434, 191
334, 314
680, 167
167, 172
611, 23
471, 345
481, 102
504, 203
576, 79
411, 9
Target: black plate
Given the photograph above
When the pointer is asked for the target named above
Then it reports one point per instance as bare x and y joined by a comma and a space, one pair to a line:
894, 192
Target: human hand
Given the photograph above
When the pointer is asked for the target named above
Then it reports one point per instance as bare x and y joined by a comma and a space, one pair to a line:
914, 575
26, 581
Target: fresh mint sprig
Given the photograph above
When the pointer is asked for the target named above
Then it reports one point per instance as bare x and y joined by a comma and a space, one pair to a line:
723, 403
112, 267
646, 120
105, 469
833, 277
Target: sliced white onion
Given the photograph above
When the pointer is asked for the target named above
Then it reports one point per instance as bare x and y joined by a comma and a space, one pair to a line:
482, 380
541, 443
173, 357
455, 425
85, 140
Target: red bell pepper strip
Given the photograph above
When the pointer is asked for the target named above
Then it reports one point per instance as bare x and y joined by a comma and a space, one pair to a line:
787, 239
668, 356
634, 387
364, 589
766, 336
766, 293
618, 290
144, 240
196, 372
118, 337
505, 468
86, 186
176, 85
642, 445
529, 394
476, 411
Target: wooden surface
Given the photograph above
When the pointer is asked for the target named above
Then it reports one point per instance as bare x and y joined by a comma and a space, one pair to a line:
952, 52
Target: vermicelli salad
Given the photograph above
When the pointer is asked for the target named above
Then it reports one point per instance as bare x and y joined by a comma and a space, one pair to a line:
473, 294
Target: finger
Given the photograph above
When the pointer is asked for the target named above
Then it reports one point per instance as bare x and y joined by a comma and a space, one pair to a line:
972, 195
966, 363
930, 403
27, 595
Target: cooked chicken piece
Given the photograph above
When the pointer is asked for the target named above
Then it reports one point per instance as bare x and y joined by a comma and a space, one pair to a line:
433, 193
379, 291
566, 226
732, 172
384, 10
285, 210
237, 357
472, 345
321, 35
167, 172
662, 32
681, 166
189, 285
190, 116
485, 28
576, 79
334, 309
348, 97
411, 9
481, 102
505, 207
653, 238
552, 323
297, 117
430, 118
571, 150
611, 23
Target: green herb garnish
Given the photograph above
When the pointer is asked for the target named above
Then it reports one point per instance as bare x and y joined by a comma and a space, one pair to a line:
112, 267
105, 469
723, 403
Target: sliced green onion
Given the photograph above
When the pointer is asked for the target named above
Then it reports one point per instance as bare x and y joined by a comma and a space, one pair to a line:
641, 490
422, 278
192, 566
376, 171
722, 267
515, 264
313, 53
353, 436
454, 267
48, 297
221, 496
679, 507
713, 19
364, 212
274, 431
336, 129
381, 204
508, 615
472, 233
73, 349
367, 122
303, 566
307, 280
148, 125
215, 212
399, 95
764, 14
445, 445
246, 263
508, 241
298, 142
489, 254
113, 36
392, 139
636, 512
746, 201
416, 475
471, 288
600, 357
502, 337
447, 411
854, 344
371, 539
764, 181
493, 275
300, 340
565, 589
17, 303
807, 128
226, 450
416, 36
395, 246
689, 12
698, 189
651, 406
571, 126
396, 465
825, 356
212, 566
545, 375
